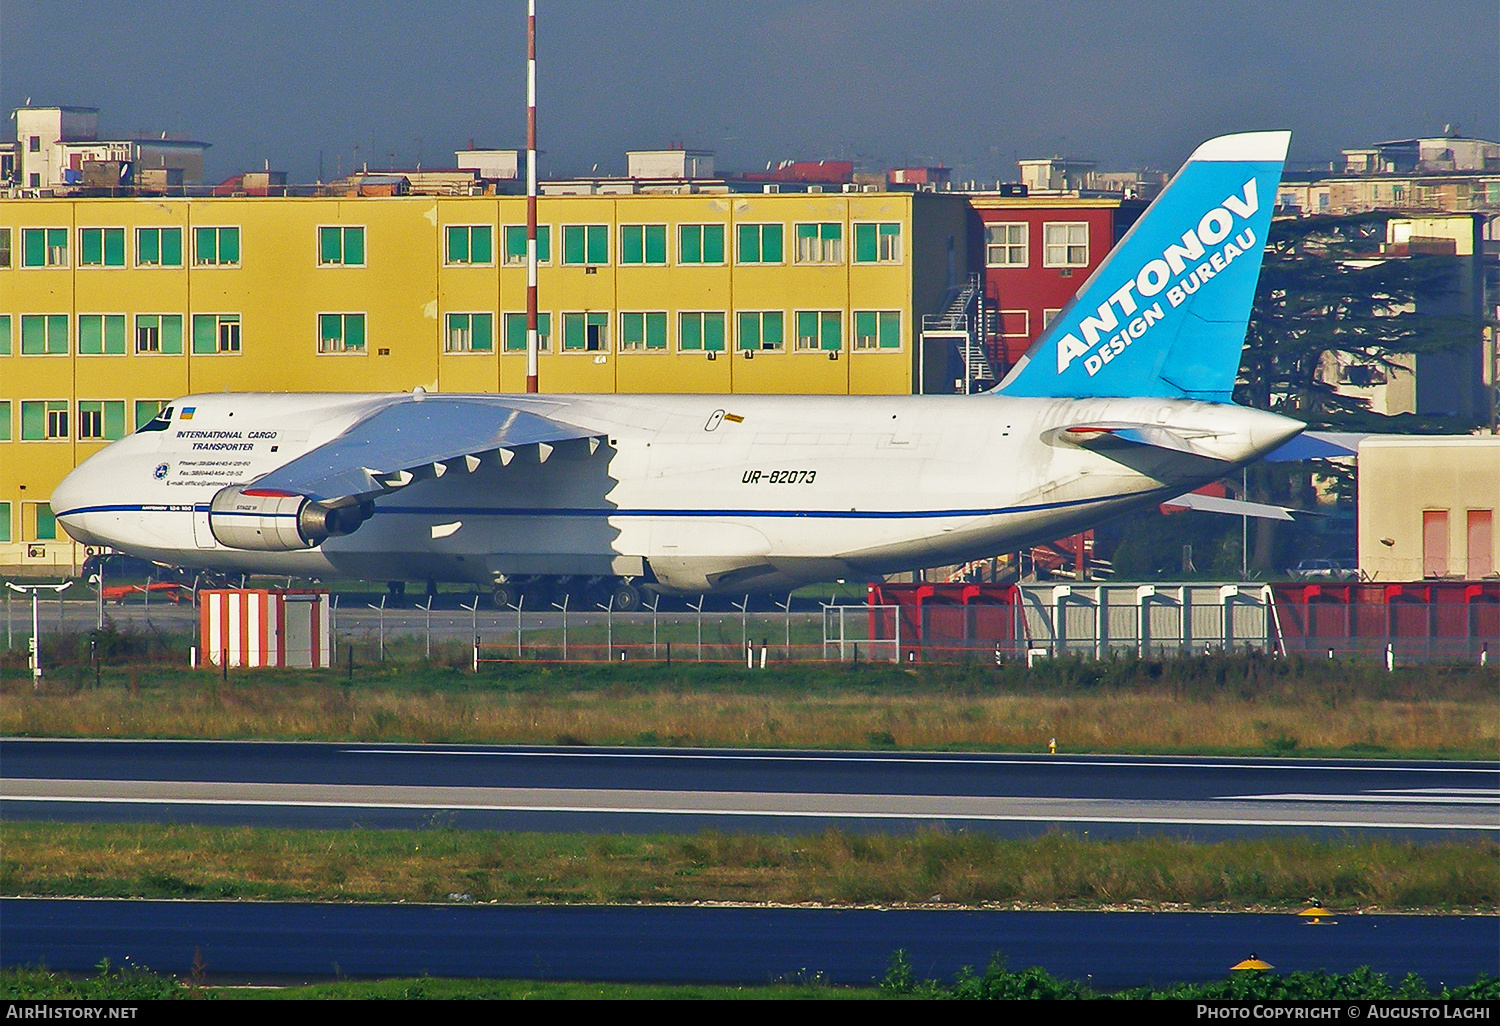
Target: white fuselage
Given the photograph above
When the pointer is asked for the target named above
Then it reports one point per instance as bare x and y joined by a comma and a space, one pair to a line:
734, 493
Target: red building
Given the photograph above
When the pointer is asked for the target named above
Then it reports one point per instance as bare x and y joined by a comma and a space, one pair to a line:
1038, 251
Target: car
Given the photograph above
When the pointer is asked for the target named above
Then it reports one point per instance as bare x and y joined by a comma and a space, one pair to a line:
1326, 570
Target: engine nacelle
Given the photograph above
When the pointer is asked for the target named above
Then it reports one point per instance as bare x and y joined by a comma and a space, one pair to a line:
269, 520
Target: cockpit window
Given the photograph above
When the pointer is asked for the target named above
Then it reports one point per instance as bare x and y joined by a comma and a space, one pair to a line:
160, 422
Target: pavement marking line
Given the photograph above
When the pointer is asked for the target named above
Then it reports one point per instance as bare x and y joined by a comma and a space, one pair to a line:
711, 803
1488, 792
1377, 798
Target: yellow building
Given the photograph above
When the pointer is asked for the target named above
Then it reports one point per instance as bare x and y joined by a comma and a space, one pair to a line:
1427, 506
111, 307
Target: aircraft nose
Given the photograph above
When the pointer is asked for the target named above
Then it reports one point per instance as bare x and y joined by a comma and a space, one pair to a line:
72, 500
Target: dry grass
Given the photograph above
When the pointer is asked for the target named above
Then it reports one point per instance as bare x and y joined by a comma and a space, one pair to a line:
261, 706
830, 868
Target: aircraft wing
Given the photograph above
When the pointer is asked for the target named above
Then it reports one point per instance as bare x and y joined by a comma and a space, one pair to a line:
417, 437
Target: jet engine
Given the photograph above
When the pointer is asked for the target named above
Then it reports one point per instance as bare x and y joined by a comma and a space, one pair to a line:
270, 520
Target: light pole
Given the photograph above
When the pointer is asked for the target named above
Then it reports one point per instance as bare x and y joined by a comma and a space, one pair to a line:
36, 638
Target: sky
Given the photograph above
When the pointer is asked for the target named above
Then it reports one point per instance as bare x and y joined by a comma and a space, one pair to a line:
974, 85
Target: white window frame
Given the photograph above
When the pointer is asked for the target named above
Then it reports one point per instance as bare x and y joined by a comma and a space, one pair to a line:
507, 260
761, 346
875, 346
1025, 320
587, 315
102, 436
197, 257
882, 239
1067, 245
760, 227
702, 227
543, 338
817, 342
342, 348
342, 230
467, 334
1006, 248
830, 252
183, 255
448, 260
632, 347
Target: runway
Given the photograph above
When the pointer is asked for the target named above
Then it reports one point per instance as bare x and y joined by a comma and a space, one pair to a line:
649, 790
285, 942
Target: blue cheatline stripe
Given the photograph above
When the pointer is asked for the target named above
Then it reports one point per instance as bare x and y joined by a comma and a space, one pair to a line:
604, 512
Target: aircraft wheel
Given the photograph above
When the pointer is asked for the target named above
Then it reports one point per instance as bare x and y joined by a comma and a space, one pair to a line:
627, 597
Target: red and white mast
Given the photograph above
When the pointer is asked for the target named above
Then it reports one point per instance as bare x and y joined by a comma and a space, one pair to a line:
532, 340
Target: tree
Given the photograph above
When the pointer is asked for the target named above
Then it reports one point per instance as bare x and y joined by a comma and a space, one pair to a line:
1326, 288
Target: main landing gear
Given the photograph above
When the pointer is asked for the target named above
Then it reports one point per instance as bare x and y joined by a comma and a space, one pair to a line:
621, 594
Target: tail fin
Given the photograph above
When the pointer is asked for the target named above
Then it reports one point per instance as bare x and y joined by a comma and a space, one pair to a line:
1165, 314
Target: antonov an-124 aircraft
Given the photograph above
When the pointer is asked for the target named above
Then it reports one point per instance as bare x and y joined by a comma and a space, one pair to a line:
1122, 404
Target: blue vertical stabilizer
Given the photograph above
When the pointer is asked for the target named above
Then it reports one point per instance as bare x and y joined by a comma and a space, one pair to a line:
1165, 314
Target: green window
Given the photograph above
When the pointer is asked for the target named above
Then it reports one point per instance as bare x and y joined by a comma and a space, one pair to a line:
586, 244
515, 244
46, 523
341, 333
877, 329
44, 247
5, 247
700, 332
642, 332
877, 243
470, 244
762, 331
158, 247
820, 330
4, 420
158, 333
146, 411
643, 244
700, 244
44, 334
470, 333
101, 247
101, 334
101, 420
342, 247
216, 333
515, 332
585, 332
820, 243
760, 243
43, 419
216, 247
5, 534
4, 334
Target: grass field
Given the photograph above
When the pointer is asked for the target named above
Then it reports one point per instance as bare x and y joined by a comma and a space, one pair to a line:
1207, 704
832, 868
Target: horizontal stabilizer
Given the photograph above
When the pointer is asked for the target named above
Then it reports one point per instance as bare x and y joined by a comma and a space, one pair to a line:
1103, 434
1315, 445
412, 438
1234, 507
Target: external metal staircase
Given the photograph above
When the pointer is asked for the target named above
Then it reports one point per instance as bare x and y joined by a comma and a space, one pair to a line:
961, 324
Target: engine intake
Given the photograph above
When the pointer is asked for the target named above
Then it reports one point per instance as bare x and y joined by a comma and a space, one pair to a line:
269, 520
